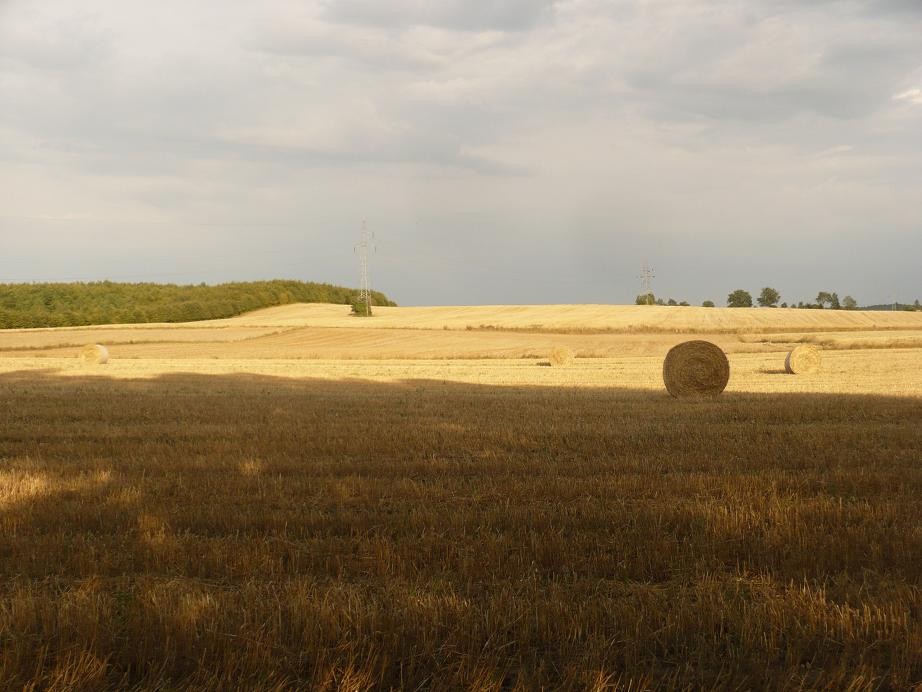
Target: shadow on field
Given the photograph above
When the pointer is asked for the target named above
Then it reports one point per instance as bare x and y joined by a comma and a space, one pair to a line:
211, 531
773, 371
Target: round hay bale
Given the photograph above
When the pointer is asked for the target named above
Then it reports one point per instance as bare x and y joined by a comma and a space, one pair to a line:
95, 354
561, 357
804, 359
696, 368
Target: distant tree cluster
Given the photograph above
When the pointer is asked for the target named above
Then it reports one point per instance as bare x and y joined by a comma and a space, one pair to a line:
771, 298
913, 307
826, 300
650, 299
105, 302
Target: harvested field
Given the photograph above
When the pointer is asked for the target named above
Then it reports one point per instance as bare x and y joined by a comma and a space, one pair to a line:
328, 332
332, 343
841, 340
191, 516
206, 332
565, 318
625, 318
471, 535
892, 372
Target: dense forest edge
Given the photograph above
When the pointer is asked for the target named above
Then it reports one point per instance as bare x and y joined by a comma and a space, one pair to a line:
105, 302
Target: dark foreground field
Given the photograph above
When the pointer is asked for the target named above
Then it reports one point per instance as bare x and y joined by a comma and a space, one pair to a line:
240, 532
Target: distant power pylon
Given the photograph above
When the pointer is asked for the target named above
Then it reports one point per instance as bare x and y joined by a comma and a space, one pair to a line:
365, 244
646, 282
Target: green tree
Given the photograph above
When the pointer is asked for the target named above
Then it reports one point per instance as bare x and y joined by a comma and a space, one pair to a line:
834, 302
645, 299
739, 299
823, 298
769, 297
77, 304
849, 303
360, 308
707, 304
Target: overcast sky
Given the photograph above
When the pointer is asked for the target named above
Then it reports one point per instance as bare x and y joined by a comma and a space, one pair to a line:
511, 151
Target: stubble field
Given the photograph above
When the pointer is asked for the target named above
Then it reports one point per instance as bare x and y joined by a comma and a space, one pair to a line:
397, 504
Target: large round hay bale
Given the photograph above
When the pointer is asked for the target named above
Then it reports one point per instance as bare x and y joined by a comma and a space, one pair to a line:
804, 359
95, 354
560, 357
696, 368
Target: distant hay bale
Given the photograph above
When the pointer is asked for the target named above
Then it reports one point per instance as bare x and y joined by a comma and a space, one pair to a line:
94, 354
804, 359
696, 368
561, 357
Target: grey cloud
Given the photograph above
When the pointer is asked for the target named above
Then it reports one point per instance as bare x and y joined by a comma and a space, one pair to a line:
765, 105
462, 15
861, 8
757, 106
57, 46
424, 149
370, 51
592, 134
884, 7
844, 74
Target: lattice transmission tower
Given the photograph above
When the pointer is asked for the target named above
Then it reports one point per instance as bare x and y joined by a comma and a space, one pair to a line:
646, 282
363, 248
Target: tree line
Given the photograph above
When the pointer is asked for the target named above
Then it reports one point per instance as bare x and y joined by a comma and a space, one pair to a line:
771, 298
105, 302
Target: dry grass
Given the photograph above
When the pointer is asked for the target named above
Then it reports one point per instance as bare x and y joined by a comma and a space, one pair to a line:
213, 532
